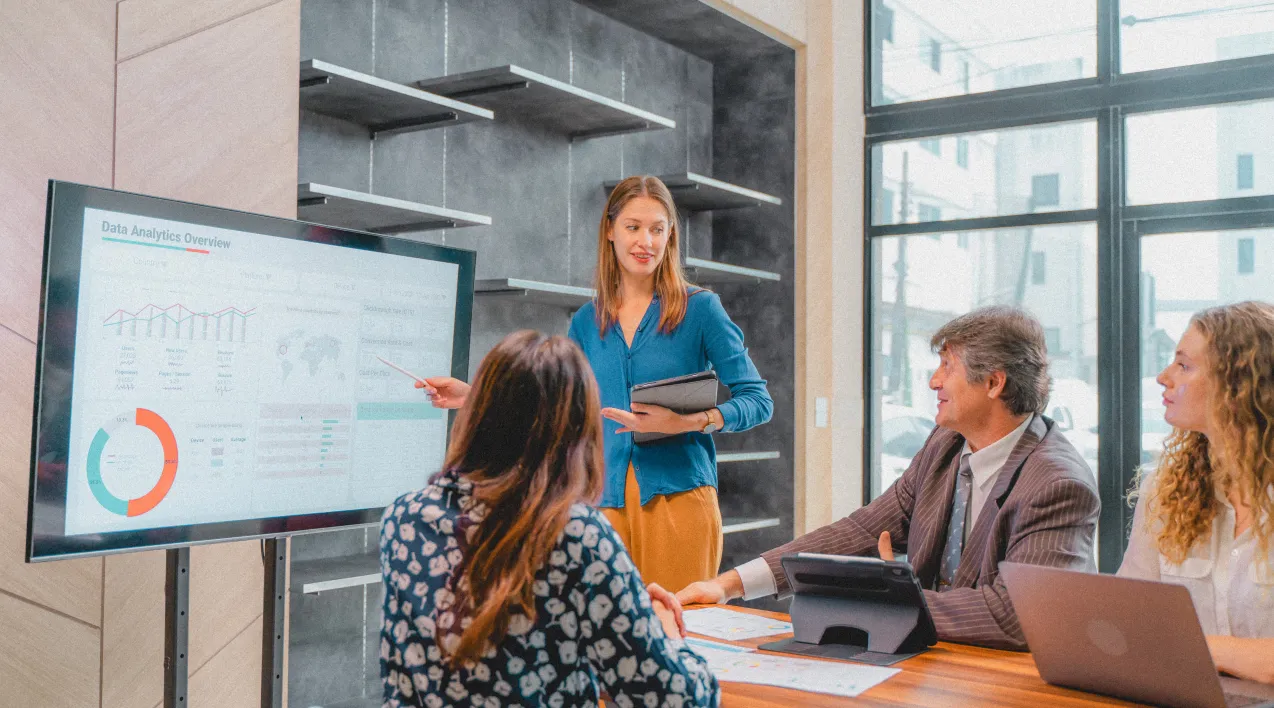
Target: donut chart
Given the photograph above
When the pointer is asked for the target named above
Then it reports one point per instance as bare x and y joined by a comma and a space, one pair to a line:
150, 420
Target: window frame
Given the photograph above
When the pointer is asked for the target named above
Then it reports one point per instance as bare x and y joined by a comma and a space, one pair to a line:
1109, 97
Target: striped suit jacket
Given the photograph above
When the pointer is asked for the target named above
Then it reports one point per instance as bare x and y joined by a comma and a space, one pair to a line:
1042, 510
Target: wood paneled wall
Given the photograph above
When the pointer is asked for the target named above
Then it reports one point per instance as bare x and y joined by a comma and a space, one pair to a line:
189, 100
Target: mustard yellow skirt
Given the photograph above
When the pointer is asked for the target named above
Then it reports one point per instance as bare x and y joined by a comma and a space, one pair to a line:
675, 539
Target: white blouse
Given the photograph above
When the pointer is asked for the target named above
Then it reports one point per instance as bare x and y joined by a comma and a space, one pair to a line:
1232, 594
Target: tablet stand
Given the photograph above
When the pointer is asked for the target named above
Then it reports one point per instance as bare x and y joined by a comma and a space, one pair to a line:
890, 629
834, 628
861, 609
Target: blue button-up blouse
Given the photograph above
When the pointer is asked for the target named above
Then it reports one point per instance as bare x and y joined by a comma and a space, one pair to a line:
705, 338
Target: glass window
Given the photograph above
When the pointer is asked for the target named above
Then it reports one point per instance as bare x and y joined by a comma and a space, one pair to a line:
1245, 171
938, 48
928, 212
887, 205
933, 145
1190, 272
1045, 191
998, 175
1157, 34
1247, 256
884, 23
1053, 340
1178, 156
908, 306
1037, 267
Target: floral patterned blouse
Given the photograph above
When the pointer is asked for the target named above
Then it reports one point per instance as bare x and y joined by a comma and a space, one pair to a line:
594, 627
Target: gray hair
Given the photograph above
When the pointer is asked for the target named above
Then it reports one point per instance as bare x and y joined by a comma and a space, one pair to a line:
1001, 338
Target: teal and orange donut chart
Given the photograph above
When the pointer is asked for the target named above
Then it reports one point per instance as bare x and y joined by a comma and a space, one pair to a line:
133, 507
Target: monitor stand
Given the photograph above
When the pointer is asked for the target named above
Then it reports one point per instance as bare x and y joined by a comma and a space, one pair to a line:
177, 625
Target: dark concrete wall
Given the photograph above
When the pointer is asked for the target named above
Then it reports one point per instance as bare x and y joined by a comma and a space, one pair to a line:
754, 142
544, 195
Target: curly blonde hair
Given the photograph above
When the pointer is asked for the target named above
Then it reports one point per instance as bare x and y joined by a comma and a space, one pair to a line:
1240, 455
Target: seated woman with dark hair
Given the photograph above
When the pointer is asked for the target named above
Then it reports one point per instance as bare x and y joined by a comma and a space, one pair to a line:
1205, 516
502, 585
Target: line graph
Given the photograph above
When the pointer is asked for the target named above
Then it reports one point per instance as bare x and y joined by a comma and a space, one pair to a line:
179, 322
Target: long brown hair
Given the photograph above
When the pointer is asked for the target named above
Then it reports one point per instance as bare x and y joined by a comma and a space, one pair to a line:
529, 439
670, 280
1239, 456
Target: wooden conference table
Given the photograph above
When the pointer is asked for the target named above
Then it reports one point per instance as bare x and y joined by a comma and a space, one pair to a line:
946, 675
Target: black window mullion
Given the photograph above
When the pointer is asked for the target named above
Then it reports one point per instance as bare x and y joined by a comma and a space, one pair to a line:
1227, 81
1108, 47
873, 169
1118, 345
984, 223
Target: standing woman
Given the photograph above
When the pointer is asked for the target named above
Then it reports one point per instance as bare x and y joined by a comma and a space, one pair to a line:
647, 323
1205, 516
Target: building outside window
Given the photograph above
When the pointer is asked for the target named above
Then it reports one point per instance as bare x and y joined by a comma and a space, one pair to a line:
1163, 179
1247, 256
1246, 171
1045, 190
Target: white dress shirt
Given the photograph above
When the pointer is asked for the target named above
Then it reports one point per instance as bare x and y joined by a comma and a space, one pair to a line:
985, 464
1232, 591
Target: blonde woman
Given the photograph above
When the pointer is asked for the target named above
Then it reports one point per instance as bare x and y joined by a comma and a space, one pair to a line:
1205, 516
647, 324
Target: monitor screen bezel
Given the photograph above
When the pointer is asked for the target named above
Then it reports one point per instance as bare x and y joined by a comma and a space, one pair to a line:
55, 348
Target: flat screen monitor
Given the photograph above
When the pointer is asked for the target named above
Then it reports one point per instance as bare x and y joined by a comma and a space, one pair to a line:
206, 374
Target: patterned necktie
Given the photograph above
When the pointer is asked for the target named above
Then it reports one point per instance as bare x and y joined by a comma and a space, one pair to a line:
955, 529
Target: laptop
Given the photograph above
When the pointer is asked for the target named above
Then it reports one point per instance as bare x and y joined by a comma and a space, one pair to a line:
1132, 639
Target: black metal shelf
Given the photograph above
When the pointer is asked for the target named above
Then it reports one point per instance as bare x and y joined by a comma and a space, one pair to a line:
383, 106
701, 270
514, 91
325, 204
535, 291
695, 192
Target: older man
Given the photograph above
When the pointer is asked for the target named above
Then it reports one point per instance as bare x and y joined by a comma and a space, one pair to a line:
995, 481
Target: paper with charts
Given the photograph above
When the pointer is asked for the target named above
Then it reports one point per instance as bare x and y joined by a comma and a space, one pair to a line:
742, 665
727, 624
239, 380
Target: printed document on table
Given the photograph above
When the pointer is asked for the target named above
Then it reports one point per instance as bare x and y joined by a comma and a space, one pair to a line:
741, 665
715, 653
728, 624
